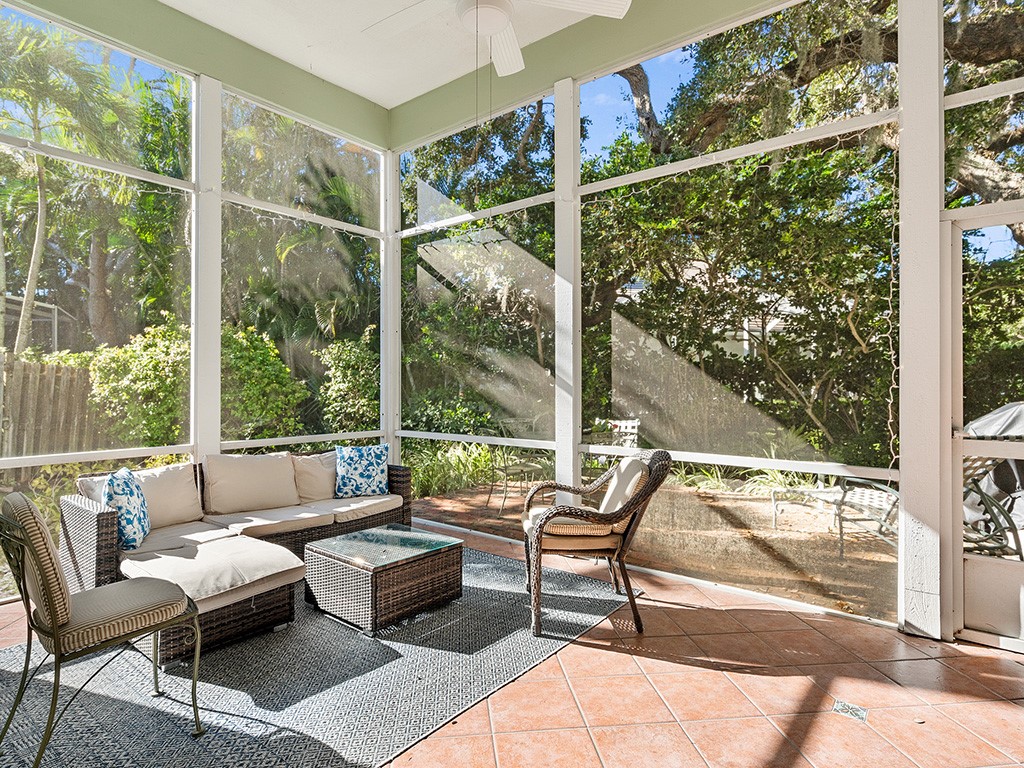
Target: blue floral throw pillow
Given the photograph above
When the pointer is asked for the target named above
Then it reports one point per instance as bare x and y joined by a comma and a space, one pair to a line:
362, 471
124, 494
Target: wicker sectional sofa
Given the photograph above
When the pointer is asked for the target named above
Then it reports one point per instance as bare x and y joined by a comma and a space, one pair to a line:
230, 531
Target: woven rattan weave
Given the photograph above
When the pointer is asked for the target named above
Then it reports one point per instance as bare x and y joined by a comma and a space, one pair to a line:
377, 577
89, 558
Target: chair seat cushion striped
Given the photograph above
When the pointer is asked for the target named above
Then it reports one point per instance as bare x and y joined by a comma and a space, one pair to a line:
117, 610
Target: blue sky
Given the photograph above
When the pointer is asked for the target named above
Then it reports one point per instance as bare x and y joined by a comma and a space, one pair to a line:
609, 105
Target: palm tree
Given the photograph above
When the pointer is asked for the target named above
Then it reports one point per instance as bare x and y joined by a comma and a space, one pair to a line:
50, 93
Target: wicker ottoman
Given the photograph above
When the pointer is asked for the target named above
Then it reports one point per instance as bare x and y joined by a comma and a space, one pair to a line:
373, 578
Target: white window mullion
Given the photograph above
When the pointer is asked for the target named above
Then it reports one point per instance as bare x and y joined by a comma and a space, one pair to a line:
206, 268
926, 562
568, 275
391, 306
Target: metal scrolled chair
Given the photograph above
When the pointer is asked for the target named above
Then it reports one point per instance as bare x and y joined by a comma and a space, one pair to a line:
605, 532
72, 626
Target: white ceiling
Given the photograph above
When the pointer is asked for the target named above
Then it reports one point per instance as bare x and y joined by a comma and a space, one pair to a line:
326, 38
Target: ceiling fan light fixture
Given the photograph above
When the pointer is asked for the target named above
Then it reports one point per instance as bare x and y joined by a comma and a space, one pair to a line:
486, 17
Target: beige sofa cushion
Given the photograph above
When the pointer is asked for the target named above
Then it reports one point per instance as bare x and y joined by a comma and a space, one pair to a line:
266, 522
239, 483
356, 507
316, 476
171, 494
182, 535
220, 572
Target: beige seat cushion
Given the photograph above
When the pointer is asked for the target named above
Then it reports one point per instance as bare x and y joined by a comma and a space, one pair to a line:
267, 522
53, 605
219, 572
577, 543
239, 483
316, 477
346, 510
117, 610
171, 493
182, 535
628, 478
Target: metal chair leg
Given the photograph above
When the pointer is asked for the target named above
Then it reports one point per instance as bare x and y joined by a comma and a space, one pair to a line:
199, 730
156, 666
637, 622
535, 569
21, 688
48, 731
614, 575
526, 546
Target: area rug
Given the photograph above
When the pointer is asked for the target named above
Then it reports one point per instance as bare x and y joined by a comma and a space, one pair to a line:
315, 694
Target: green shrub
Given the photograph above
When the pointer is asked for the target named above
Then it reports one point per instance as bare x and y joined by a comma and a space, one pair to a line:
439, 467
447, 411
350, 394
259, 397
142, 388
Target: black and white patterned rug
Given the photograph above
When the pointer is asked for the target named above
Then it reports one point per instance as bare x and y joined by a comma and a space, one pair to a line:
316, 694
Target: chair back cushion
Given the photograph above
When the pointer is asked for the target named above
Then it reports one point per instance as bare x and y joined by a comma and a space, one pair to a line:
628, 478
316, 476
124, 495
172, 496
239, 483
47, 587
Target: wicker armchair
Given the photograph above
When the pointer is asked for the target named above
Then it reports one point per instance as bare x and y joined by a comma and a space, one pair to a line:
605, 532
70, 626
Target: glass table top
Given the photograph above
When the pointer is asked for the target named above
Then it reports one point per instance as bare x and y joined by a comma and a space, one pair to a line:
384, 545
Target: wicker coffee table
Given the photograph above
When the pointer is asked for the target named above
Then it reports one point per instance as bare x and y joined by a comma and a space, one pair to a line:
375, 577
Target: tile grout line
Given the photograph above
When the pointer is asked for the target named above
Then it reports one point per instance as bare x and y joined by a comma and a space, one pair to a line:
978, 735
583, 716
668, 706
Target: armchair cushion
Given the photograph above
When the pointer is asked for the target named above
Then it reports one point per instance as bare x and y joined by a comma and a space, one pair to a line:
116, 610
239, 483
564, 526
49, 573
628, 478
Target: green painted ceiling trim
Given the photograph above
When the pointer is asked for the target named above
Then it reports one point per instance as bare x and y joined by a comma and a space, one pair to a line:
150, 27
593, 45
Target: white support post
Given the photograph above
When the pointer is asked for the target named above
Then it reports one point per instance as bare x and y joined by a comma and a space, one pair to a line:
206, 266
391, 306
568, 334
926, 561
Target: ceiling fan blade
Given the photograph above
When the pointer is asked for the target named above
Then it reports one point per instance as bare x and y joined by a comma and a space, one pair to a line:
615, 9
408, 18
506, 53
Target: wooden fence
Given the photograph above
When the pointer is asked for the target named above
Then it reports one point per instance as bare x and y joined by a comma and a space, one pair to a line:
45, 409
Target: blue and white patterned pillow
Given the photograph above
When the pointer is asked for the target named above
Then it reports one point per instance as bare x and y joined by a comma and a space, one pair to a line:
124, 494
362, 471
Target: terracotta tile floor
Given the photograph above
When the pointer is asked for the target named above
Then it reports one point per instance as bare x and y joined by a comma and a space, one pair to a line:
722, 679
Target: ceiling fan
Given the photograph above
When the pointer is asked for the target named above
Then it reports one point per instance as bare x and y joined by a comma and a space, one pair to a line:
491, 19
